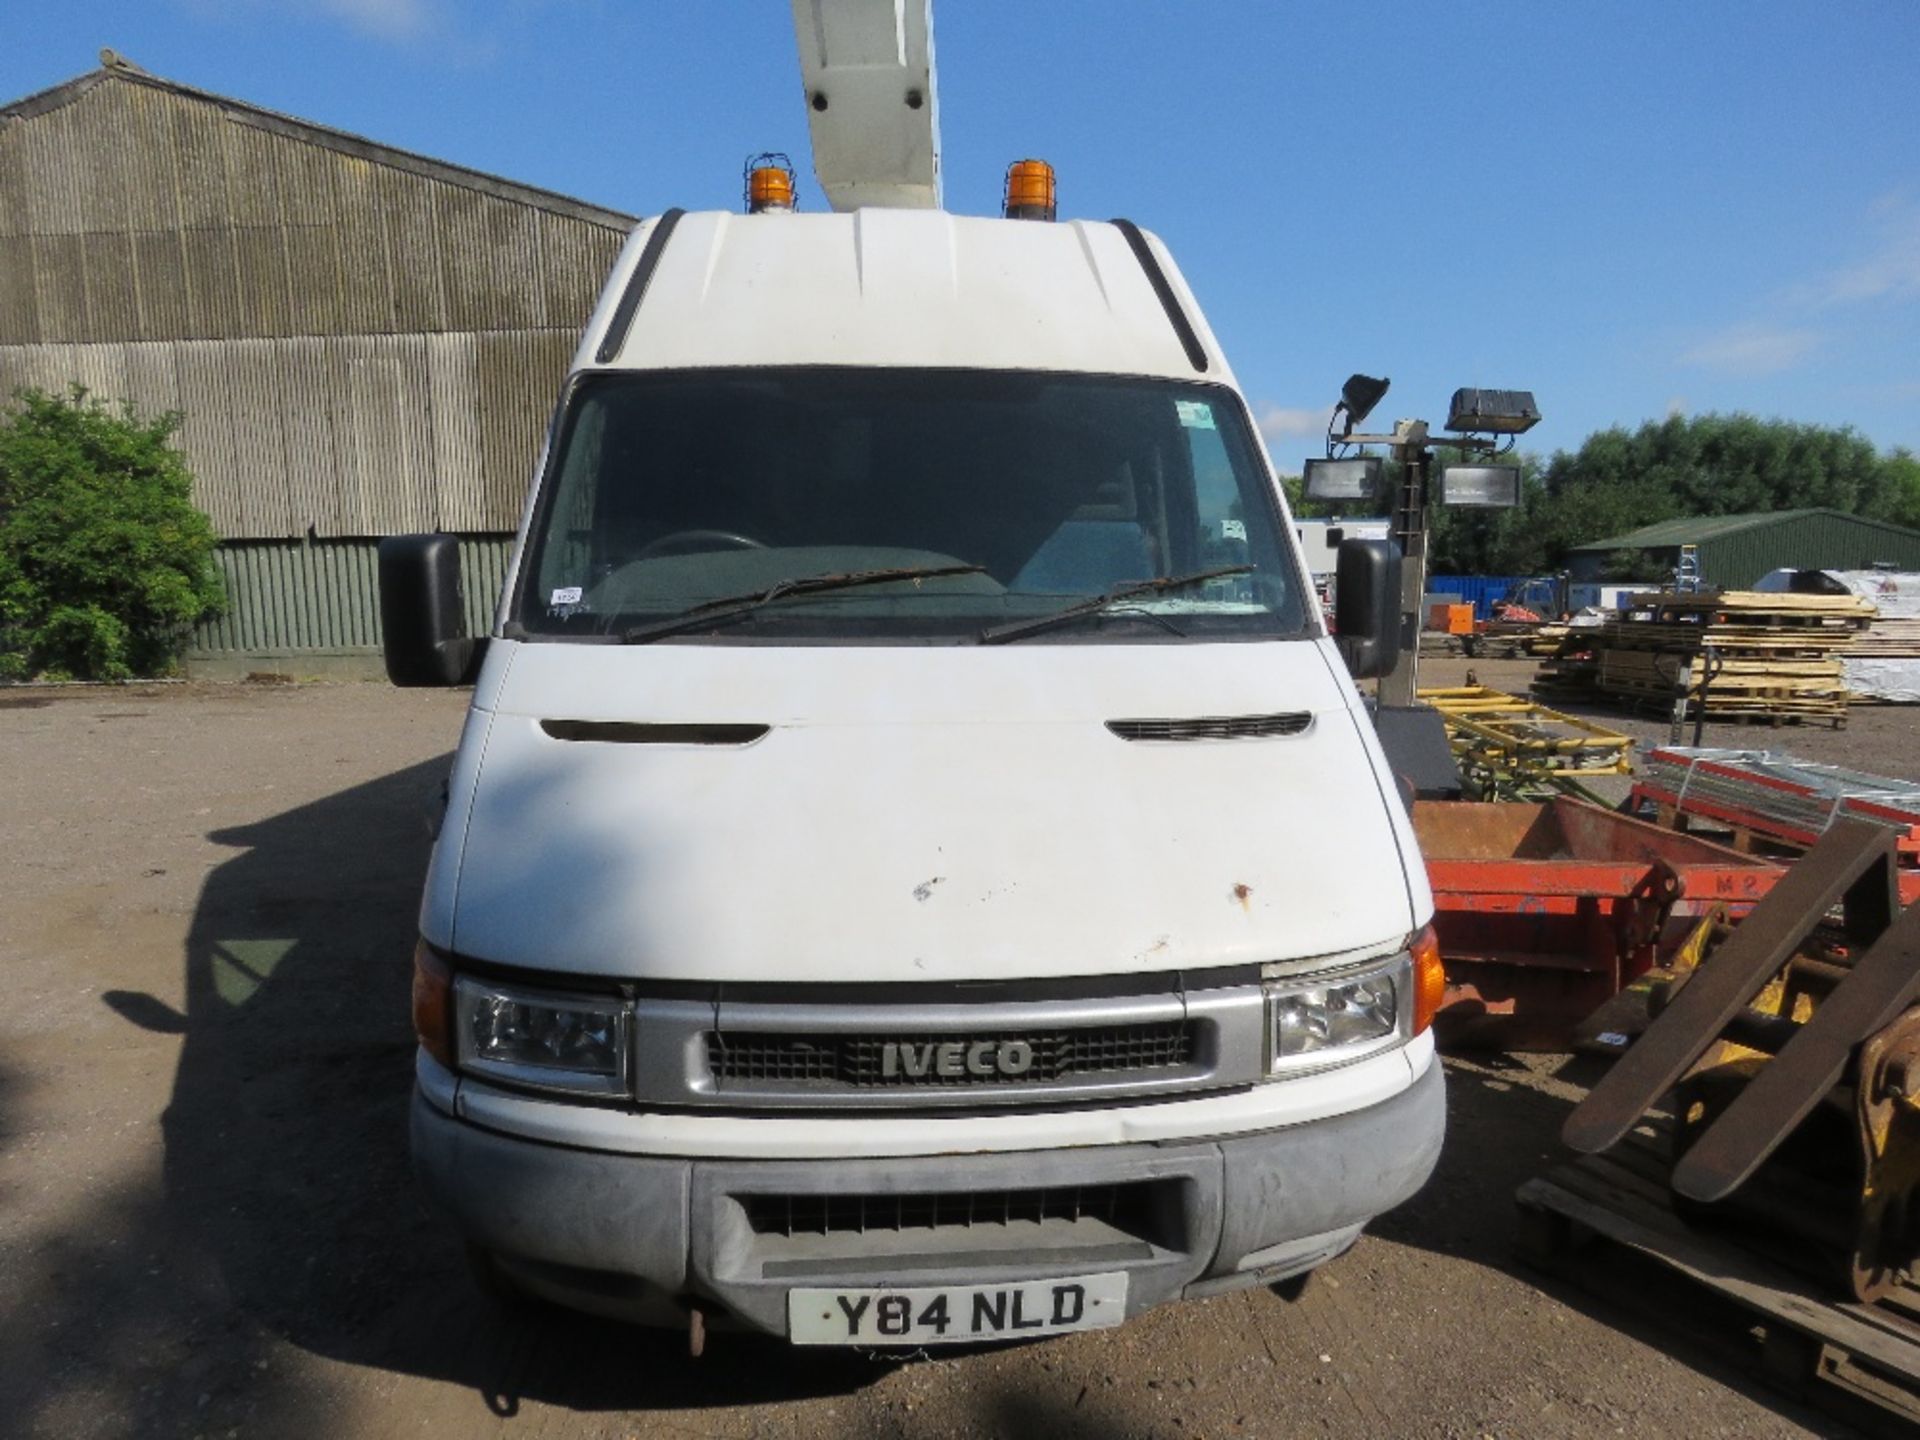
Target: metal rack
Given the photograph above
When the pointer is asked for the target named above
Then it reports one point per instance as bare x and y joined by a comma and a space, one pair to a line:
1770, 795
1511, 748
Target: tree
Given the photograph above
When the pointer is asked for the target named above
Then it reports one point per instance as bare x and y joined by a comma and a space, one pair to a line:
1711, 465
105, 564
1681, 466
1469, 540
1903, 479
1633, 567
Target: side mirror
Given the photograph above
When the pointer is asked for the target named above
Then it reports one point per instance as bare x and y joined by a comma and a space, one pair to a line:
1366, 606
423, 614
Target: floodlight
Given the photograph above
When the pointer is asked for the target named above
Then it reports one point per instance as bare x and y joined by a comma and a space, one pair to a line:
1484, 485
1354, 479
1493, 412
1360, 394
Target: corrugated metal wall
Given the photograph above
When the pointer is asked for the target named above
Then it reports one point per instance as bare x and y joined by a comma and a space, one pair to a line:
339, 435
1806, 542
139, 212
323, 598
1797, 542
363, 342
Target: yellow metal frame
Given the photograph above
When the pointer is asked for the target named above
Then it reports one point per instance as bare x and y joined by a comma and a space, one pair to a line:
1502, 740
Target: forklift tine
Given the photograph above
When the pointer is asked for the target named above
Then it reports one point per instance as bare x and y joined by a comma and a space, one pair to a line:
1854, 860
1883, 982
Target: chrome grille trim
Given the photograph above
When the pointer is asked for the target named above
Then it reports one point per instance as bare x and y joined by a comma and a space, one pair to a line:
808, 1055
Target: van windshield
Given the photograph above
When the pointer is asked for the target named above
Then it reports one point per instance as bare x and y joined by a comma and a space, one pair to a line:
1028, 492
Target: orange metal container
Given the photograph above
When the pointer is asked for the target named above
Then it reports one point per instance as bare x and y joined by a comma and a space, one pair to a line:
1546, 911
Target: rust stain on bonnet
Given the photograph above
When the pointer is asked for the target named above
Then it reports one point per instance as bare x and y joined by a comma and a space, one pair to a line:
1240, 892
1160, 944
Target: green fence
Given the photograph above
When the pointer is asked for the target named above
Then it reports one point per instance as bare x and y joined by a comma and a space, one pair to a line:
313, 608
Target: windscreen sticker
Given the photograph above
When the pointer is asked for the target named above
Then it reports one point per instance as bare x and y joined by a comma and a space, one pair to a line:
566, 601
1194, 414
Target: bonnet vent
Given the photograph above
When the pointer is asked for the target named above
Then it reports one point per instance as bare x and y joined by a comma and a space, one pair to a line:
614, 732
1215, 727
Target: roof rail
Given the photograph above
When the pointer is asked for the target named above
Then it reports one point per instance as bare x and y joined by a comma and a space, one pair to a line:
636, 290
1156, 277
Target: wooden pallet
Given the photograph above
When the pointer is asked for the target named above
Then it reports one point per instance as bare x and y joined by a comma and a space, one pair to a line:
1754, 610
1546, 639
1607, 1223
1889, 638
1778, 655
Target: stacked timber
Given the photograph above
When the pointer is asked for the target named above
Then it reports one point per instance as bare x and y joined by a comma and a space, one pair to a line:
1767, 657
1884, 663
1545, 639
1570, 670
1891, 637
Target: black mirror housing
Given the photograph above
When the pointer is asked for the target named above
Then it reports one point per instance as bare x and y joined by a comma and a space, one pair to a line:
1366, 606
423, 616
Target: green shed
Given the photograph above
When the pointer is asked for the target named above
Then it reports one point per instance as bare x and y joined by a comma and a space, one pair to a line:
1736, 550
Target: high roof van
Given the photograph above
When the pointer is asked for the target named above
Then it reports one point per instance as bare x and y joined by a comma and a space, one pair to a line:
917, 867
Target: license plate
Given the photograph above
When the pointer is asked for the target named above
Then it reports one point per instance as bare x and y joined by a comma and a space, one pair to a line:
951, 1314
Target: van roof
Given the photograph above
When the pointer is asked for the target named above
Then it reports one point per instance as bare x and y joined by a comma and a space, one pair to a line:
899, 288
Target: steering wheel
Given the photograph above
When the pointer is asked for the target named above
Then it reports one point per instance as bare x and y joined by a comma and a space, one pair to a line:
683, 541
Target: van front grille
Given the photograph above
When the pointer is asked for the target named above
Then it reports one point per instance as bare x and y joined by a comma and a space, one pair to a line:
1000, 1058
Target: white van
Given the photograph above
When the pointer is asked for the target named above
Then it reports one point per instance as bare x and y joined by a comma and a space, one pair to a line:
917, 868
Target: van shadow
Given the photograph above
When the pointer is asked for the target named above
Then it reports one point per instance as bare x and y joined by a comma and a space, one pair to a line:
286, 1137
287, 1184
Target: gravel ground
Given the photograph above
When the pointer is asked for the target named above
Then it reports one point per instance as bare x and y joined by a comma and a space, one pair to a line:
207, 1225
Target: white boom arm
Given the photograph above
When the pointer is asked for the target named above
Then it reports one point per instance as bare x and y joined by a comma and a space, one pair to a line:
868, 70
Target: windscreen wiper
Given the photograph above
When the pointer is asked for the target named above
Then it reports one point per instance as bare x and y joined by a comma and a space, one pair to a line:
732, 607
1014, 629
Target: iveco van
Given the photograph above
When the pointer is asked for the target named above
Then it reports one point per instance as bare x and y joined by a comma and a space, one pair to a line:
917, 867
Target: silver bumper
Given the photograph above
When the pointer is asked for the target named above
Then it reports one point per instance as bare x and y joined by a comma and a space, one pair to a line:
643, 1238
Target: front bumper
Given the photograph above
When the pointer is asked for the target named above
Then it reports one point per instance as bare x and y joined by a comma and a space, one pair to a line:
645, 1238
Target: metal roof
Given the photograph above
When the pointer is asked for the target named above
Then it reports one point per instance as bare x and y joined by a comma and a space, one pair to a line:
363, 341
45, 101
1699, 529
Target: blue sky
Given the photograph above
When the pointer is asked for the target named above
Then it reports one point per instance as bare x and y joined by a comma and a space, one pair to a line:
1629, 208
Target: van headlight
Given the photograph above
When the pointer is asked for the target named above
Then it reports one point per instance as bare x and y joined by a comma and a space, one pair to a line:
1313, 1021
576, 1043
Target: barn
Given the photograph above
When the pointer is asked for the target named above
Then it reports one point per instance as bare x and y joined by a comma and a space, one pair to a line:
363, 341
1733, 551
